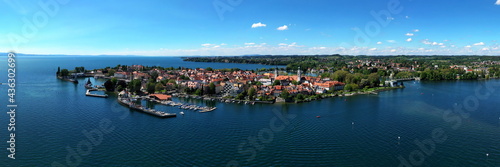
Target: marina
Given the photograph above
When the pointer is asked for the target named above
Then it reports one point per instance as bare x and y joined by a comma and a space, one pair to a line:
128, 103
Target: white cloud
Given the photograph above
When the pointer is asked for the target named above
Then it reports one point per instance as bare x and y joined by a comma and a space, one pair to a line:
379, 43
283, 44
427, 42
207, 45
282, 28
409, 40
435, 43
257, 25
249, 43
223, 44
468, 46
391, 41
373, 49
393, 50
479, 44
216, 46
498, 2
485, 49
407, 17
409, 34
416, 30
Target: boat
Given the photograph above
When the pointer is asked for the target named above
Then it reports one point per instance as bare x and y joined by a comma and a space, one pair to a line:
88, 85
182, 113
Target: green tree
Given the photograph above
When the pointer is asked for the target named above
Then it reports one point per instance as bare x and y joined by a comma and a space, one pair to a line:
135, 86
111, 72
276, 82
109, 86
294, 82
299, 97
79, 69
240, 96
251, 93
339, 75
64, 72
285, 94
114, 81
150, 87
209, 69
159, 87
58, 71
350, 87
198, 92
154, 75
374, 79
119, 88
211, 88
121, 83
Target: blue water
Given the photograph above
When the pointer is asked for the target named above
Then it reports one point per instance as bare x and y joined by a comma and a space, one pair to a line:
351, 131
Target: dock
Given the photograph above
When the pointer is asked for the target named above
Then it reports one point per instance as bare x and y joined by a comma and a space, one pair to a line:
94, 95
126, 102
182, 105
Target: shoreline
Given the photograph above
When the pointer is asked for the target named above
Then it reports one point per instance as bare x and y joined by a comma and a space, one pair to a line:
322, 96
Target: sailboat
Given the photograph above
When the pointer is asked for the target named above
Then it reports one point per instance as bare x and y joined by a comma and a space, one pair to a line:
88, 85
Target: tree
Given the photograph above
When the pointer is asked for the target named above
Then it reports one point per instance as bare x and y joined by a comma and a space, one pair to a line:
211, 88
64, 72
150, 87
276, 82
373, 79
154, 75
135, 85
58, 71
240, 96
119, 88
339, 75
251, 93
111, 72
198, 92
294, 82
351, 87
109, 86
114, 81
159, 87
79, 69
285, 94
209, 69
121, 83
299, 97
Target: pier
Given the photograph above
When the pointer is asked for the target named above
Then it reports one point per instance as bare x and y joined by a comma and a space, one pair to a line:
126, 102
94, 95
182, 105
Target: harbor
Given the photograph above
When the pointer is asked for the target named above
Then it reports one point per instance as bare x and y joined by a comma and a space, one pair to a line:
130, 104
87, 93
184, 106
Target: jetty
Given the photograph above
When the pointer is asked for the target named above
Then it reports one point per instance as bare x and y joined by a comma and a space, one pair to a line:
126, 102
94, 95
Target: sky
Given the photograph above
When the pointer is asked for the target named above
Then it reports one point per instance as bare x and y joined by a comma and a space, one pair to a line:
249, 27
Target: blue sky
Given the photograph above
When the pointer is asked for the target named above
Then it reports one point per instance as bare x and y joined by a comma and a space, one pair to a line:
242, 27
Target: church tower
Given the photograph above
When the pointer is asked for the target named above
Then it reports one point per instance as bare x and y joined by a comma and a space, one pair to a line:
275, 73
299, 75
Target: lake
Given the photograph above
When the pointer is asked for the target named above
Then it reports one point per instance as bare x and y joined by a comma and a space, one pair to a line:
449, 123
